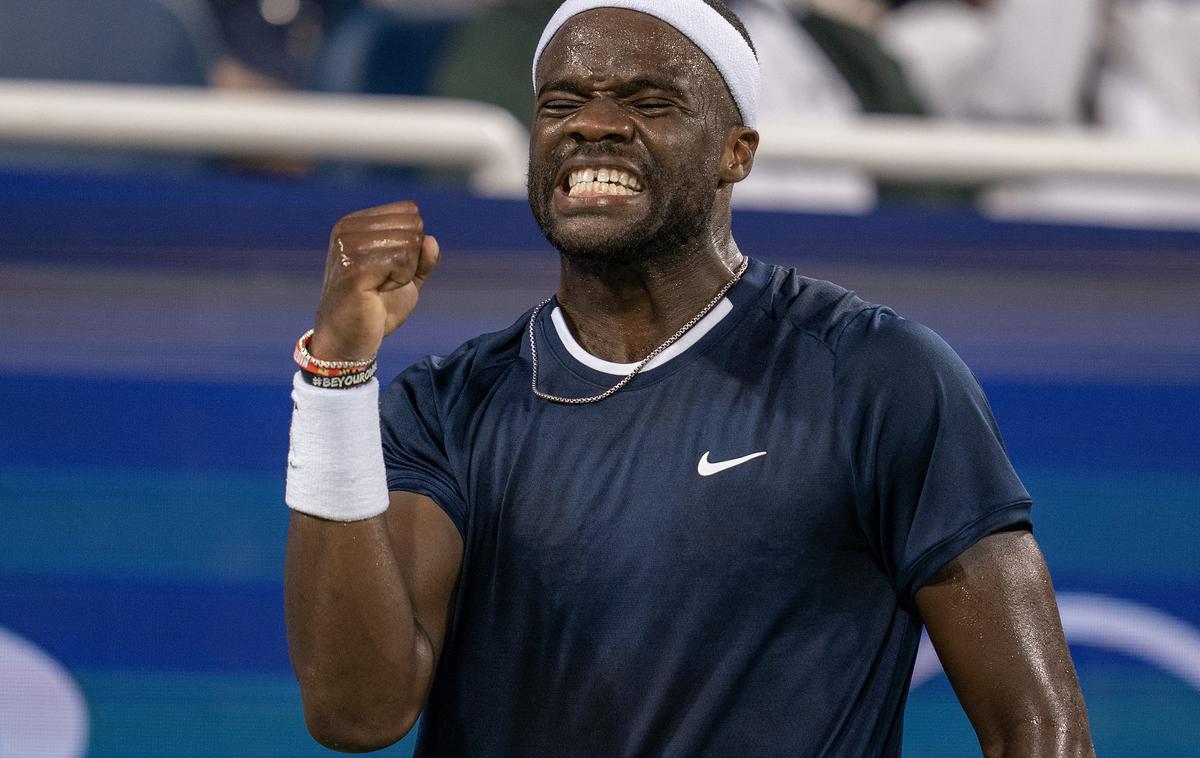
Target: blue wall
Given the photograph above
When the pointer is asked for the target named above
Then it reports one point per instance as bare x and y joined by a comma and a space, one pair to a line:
141, 515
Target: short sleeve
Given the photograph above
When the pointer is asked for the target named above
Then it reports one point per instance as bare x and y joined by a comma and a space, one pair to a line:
931, 473
415, 450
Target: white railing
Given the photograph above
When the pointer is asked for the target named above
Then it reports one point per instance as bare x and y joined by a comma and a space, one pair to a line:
493, 145
418, 131
907, 148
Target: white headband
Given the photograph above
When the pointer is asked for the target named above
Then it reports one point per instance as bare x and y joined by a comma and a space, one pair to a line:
697, 21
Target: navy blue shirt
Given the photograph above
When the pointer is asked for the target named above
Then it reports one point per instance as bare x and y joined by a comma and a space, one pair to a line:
614, 601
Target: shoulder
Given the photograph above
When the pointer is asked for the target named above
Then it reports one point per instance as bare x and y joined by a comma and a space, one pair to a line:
878, 346
816, 308
472, 366
903, 371
861, 335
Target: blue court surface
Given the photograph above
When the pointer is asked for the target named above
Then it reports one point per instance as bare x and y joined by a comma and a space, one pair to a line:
142, 521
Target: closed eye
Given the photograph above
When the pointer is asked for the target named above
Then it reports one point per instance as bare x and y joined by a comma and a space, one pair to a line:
558, 106
653, 106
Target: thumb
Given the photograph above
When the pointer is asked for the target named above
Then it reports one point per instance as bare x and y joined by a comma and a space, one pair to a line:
431, 256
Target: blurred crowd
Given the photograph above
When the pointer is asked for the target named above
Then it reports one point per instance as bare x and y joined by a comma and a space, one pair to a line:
1129, 66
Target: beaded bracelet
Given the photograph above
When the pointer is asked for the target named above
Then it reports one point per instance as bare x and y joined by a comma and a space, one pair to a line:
308, 363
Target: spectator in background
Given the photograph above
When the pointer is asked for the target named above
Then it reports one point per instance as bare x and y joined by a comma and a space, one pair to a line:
487, 57
1147, 86
1003, 60
1128, 66
272, 44
1149, 81
131, 42
1131, 67
822, 60
830, 60
424, 8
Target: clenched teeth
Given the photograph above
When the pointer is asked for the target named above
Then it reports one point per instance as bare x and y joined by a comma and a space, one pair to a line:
589, 189
602, 181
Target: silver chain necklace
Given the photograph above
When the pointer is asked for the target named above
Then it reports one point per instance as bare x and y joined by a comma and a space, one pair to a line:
642, 364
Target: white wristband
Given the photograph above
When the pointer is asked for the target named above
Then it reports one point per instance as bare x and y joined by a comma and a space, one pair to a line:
335, 461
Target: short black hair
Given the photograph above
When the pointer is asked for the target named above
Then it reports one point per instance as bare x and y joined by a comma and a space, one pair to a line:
733, 20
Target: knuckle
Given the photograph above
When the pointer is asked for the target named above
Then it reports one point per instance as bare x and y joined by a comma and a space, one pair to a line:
402, 206
406, 207
397, 258
397, 223
382, 224
385, 239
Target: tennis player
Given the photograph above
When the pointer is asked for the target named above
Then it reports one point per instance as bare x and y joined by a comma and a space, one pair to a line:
691, 505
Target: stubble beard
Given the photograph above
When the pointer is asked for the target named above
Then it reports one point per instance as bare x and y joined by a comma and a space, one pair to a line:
679, 218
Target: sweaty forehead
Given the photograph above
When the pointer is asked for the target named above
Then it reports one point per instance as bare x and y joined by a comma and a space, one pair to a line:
618, 45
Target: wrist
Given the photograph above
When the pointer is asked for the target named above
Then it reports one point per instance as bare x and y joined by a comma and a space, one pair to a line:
326, 348
335, 468
327, 374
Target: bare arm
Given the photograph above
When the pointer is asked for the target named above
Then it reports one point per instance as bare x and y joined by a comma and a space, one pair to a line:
366, 608
367, 602
993, 620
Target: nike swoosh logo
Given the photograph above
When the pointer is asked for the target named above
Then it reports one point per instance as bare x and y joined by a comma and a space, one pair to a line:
707, 468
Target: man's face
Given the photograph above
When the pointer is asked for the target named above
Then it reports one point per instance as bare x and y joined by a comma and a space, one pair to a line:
629, 125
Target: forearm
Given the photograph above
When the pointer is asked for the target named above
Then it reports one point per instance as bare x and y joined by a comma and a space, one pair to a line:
1062, 736
363, 662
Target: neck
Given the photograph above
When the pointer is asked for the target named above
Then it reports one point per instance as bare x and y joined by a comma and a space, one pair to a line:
622, 311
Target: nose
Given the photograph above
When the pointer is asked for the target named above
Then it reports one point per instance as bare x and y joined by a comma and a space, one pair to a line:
600, 120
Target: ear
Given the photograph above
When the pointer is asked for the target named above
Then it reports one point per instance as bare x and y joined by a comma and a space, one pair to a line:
737, 157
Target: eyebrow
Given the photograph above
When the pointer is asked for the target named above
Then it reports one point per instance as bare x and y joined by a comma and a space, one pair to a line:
624, 89
645, 83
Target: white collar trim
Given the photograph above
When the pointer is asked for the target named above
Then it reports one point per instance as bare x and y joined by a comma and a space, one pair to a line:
702, 327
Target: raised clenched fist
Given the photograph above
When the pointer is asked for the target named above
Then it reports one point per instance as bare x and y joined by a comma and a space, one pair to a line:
378, 260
